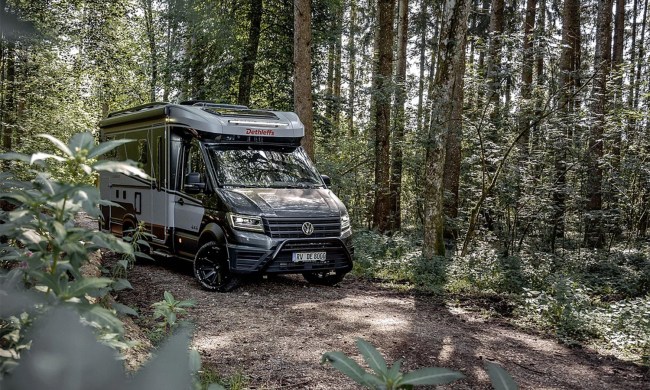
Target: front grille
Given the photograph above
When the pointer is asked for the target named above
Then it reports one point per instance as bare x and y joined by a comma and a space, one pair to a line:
292, 227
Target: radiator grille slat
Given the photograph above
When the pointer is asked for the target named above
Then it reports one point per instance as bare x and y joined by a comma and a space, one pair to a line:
292, 227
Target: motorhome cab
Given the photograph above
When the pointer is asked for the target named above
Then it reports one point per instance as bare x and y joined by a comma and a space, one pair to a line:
231, 190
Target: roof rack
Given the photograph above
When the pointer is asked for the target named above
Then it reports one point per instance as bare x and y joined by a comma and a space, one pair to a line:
137, 108
211, 104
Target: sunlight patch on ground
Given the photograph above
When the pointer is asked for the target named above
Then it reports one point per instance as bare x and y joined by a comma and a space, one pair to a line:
447, 350
354, 310
213, 342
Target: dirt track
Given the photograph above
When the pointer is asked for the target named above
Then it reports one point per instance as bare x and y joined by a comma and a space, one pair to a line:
274, 332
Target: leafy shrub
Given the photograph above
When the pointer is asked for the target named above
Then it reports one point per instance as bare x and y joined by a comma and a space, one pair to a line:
385, 377
391, 378
617, 274
398, 259
565, 306
43, 248
626, 325
169, 311
49, 307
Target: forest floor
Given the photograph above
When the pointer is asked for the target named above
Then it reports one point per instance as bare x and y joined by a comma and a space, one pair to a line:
274, 332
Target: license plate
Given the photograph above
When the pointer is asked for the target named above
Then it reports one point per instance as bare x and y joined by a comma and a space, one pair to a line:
308, 256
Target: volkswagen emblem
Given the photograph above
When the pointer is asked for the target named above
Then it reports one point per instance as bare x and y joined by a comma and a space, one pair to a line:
308, 228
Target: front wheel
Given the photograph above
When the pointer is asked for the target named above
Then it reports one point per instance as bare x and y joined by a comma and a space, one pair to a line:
212, 270
326, 278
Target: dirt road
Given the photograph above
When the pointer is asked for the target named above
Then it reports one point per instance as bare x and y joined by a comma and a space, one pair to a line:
274, 332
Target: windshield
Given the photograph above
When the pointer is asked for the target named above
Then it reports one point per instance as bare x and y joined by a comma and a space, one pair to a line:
263, 168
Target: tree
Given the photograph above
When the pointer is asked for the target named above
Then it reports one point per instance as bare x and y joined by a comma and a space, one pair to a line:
250, 58
594, 234
382, 102
527, 75
352, 53
569, 79
302, 98
495, 44
450, 57
399, 119
147, 6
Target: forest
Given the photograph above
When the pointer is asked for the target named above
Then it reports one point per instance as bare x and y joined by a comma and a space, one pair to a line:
484, 148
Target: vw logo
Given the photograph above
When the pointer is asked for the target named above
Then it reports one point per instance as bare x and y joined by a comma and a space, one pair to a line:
308, 228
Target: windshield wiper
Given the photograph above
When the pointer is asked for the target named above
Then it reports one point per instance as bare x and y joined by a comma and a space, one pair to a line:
240, 185
284, 184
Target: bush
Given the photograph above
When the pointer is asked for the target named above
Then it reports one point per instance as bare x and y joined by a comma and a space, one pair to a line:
51, 312
566, 307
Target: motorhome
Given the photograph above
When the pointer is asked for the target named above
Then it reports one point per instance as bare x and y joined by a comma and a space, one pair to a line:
230, 190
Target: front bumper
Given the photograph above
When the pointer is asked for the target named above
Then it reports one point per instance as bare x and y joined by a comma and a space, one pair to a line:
249, 259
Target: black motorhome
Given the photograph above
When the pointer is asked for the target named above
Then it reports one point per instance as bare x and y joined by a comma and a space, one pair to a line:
230, 189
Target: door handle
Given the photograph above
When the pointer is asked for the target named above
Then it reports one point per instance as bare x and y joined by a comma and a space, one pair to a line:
181, 201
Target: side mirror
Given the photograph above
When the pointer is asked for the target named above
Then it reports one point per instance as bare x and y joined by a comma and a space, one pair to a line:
326, 180
193, 183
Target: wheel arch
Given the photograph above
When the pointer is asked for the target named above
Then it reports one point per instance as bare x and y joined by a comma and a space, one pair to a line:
212, 232
129, 220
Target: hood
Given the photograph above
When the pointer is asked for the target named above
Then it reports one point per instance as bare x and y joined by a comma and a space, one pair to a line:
283, 202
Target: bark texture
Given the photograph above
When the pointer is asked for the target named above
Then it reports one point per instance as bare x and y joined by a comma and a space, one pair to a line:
382, 102
302, 98
450, 54
399, 121
250, 58
594, 232
569, 79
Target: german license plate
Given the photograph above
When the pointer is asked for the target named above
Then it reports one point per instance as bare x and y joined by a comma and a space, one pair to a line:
308, 256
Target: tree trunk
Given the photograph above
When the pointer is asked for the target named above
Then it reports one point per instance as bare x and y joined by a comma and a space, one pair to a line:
451, 176
352, 52
197, 69
336, 87
399, 120
382, 102
250, 58
525, 113
10, 102
437, 16
569, 68
594, 230
450, 55
641, 60
153, 48
618, 68
494, 53
302, 98
630, 95
423, 51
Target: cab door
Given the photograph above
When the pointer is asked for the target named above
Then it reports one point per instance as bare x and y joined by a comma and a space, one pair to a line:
189, 199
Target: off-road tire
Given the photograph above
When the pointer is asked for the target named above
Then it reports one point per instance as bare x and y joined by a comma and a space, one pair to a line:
212, 270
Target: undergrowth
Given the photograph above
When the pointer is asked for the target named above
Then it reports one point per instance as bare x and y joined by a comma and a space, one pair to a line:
581, 296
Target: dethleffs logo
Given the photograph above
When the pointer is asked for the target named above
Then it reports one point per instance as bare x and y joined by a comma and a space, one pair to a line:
259, 132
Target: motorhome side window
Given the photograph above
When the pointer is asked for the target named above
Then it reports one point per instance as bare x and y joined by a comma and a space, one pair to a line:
194, 164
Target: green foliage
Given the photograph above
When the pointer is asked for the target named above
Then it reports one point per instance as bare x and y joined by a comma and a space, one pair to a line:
45, 251
75, 360
385, 377
564, 307
137, 238
626, 325
169, 312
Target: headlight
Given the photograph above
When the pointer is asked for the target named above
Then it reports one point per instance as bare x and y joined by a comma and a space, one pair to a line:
345, 222
246, 222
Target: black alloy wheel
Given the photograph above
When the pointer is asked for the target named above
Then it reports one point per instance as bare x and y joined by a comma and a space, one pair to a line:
212, 270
